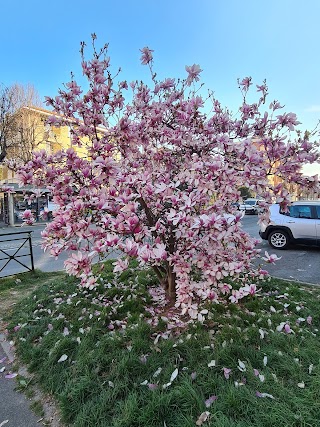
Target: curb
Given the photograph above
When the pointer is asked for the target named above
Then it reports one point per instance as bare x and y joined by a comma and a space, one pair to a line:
6, 347
297, 282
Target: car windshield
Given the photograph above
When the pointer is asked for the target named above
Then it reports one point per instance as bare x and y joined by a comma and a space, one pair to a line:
250, 202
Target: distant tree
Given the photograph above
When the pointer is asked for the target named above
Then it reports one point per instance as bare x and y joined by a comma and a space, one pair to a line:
21, 130
245, 192
8, 120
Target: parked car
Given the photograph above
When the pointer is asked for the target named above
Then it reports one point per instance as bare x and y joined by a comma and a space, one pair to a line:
300, 225
250, 206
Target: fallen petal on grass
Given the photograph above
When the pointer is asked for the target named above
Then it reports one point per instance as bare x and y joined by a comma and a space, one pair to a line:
210, 401
258, 394
203, 418
63, 358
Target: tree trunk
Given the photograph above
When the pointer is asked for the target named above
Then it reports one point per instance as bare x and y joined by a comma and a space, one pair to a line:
167, 279
171, 280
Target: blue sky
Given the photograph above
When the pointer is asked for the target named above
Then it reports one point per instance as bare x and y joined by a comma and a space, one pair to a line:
274, 39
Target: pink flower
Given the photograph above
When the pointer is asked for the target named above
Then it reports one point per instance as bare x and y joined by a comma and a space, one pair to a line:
287, 329
28, 217
249, 289
146, 56
120, 265
309, 320
289, 120
193, 375
245, 83
78, 262
152, 386
226, 373
270, 258
210, 401
193, 73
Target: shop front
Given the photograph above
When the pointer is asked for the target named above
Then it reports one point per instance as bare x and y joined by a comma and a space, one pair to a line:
18, 199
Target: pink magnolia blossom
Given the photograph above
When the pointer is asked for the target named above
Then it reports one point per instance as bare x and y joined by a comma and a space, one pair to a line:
193, 73
270, 258
146, 56
287, 329
121, 265
158, 180
245, 83
226, 373
210, 401
27, 217
152, 386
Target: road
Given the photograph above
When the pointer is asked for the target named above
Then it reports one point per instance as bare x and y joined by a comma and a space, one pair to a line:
42, 260
299, 263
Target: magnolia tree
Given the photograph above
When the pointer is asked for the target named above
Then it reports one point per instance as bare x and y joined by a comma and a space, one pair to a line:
160, 175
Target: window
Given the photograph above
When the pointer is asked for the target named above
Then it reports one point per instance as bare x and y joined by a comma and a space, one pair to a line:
300, 211
318, 211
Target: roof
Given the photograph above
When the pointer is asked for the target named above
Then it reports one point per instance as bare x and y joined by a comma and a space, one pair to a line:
49, 113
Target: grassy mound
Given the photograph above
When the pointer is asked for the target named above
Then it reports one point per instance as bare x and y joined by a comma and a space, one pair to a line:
108, 358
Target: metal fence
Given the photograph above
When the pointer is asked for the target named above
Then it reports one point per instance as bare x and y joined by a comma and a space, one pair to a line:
16, 247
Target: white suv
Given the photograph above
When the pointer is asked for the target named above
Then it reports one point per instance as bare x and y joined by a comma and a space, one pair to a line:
250, 206
300, 225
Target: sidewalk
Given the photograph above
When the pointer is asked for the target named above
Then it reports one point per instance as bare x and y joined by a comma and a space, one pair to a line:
14, 406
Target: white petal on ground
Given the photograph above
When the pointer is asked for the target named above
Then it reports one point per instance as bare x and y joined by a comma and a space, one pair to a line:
63, 358
157, 372
241, 366
203, 418
174, 375
166, 385
266, 395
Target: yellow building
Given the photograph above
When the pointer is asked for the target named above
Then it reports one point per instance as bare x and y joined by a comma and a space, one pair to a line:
32, 134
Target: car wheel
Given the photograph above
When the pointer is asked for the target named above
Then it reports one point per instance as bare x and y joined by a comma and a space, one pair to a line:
278, 239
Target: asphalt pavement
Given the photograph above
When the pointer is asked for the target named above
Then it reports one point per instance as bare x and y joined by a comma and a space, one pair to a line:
300, 263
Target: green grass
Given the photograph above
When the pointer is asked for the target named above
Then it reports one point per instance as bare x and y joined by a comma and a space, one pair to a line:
23, 281
113, 346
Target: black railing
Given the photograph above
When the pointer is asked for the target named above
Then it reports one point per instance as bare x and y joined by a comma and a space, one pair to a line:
16, 256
